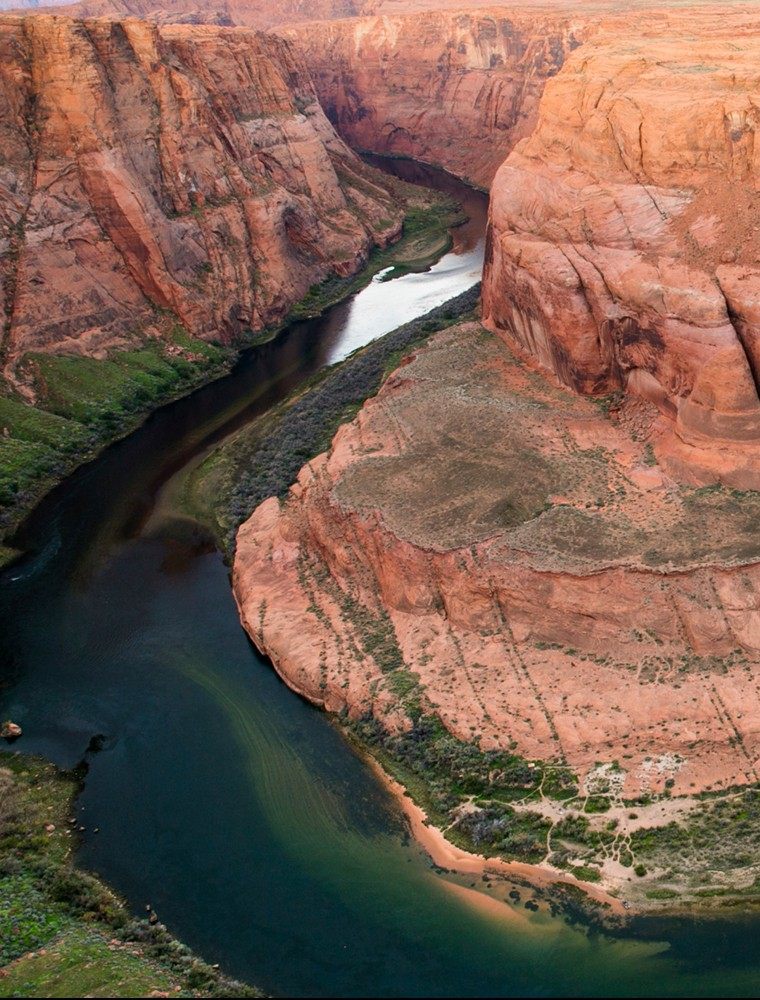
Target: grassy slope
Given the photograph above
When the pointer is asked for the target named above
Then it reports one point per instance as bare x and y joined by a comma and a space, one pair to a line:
84, 404
63, 933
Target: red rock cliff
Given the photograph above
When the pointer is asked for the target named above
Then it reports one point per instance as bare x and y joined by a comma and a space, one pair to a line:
623, 251
453, 88
152, 172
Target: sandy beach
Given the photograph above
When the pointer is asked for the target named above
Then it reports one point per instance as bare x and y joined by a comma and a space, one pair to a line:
447, 855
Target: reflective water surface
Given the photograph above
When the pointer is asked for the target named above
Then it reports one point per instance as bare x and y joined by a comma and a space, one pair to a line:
234, 808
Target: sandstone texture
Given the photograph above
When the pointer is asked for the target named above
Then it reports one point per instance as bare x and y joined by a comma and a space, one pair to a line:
454, 88
553, 590
152, 175
623, 252
245, 13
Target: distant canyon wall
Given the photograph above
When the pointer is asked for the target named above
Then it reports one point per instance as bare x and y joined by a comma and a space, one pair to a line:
244, 13
454, 88
152, 174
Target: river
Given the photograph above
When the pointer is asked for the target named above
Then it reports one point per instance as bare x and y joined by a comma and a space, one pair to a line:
235, 809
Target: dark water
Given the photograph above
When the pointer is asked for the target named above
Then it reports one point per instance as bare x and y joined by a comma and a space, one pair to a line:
231, 806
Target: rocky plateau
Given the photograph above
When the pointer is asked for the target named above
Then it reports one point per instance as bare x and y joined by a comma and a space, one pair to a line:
552, 510
549, 590
550, 585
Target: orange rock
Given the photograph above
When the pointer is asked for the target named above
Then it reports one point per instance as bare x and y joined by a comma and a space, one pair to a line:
453, 88
619, 622
623, 242
177, 170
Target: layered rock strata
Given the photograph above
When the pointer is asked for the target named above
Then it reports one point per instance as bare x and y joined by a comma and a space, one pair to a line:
549, 586
453, 88
623, 252
153, 175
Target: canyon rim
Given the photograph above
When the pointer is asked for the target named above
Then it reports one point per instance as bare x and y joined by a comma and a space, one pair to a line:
520, 561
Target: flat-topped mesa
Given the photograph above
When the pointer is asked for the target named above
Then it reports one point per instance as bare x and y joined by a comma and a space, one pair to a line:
154, 175
623, 250
452, 88
547, 585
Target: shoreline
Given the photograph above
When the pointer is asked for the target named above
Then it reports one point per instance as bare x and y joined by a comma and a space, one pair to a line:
446, 855
432, 839
9, 554
66, 927
303, 310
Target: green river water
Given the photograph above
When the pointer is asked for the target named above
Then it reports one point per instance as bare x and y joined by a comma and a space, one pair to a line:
238, 811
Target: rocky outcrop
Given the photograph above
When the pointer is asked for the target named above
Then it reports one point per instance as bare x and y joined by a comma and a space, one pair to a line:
453, 88
245, 13
154, 175
623, 251
623, 246
548, 586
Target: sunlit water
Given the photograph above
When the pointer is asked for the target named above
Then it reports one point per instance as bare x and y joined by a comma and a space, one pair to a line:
234, 808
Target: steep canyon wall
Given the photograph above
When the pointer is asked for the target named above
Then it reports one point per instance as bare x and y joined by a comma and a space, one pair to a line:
153, 175
623, 252
453, 88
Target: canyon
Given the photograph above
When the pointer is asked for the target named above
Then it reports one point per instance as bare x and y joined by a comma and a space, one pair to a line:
243, 13
457, 89
541, 531
155, 176
619, 151
573, 581
484, 547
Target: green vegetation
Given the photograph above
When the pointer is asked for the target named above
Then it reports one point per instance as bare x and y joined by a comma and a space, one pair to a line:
84, 404
425, 238
264, 458
469, 792
586, 873
717, 843
63, 933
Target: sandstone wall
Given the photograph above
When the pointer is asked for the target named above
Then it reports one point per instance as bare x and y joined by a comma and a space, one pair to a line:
623, 250
153, 174
453, 88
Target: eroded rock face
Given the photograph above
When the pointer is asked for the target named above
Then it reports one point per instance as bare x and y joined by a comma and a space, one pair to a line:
453, 88
623, 251
246, 13
153, 175
550, 586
